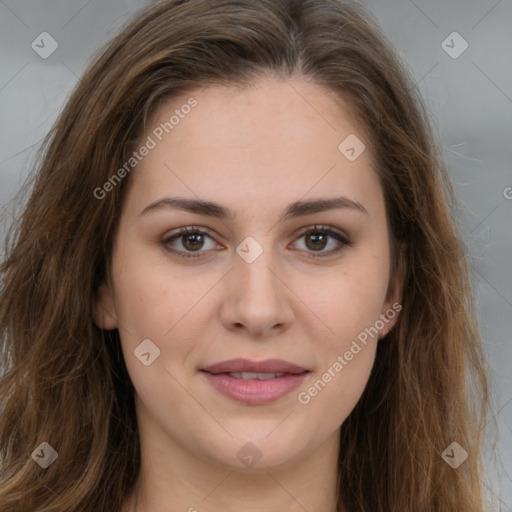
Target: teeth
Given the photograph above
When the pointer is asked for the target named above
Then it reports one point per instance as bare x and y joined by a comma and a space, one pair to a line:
259, 376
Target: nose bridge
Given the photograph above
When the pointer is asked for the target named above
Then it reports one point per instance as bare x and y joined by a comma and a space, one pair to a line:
253, 270
259, 299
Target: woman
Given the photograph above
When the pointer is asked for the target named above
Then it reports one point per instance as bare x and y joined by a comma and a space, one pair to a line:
237, 283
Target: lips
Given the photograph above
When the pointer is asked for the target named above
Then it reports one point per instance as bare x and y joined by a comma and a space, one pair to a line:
255, 382
244, 365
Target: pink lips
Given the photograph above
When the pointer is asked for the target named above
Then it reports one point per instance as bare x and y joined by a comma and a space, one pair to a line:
255, 391
244, 365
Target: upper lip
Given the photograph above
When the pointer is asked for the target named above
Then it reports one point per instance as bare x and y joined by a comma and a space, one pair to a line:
245, 365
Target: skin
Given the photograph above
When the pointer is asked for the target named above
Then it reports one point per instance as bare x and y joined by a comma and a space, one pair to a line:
254, 151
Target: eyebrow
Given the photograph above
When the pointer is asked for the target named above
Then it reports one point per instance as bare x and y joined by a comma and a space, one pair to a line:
293, 210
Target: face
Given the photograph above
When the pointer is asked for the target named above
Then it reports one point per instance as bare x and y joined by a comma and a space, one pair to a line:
260, 324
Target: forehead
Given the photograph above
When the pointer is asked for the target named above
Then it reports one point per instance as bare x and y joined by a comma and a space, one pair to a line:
276, 139
272, 113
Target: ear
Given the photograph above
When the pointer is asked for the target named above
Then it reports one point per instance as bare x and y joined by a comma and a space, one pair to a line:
105, 316
393, 304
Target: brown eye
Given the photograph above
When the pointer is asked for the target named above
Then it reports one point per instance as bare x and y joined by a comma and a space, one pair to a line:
190, 240
193, 242
317, 239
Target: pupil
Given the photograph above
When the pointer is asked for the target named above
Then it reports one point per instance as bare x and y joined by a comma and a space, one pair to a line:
195, 244
317, 238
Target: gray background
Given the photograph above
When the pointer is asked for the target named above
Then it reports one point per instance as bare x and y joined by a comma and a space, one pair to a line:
469, 99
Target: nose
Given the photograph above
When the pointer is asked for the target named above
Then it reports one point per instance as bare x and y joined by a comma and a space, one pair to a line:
257, 299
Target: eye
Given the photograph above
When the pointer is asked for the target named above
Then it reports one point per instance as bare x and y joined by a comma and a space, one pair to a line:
317, 238
192, 240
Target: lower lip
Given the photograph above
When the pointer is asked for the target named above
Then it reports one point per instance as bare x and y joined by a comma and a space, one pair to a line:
255, 391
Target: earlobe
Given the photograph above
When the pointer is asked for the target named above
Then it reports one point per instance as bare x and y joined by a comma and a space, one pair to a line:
105, 316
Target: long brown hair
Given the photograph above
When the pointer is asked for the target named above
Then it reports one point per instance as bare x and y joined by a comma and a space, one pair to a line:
65, 381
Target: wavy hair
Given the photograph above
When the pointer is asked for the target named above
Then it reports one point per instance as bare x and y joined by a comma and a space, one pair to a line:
64, 380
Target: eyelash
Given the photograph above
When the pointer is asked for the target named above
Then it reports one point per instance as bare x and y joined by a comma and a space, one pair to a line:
193, 230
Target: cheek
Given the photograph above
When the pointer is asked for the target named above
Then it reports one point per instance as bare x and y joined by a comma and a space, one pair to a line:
349, 300
155, 301
150, 296
344, 359
334, 393
348, 305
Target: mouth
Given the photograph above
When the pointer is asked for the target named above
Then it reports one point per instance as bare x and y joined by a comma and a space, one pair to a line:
253, 382
269, 366
258, 376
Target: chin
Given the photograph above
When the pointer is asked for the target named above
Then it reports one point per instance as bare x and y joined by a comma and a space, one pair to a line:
259, 455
